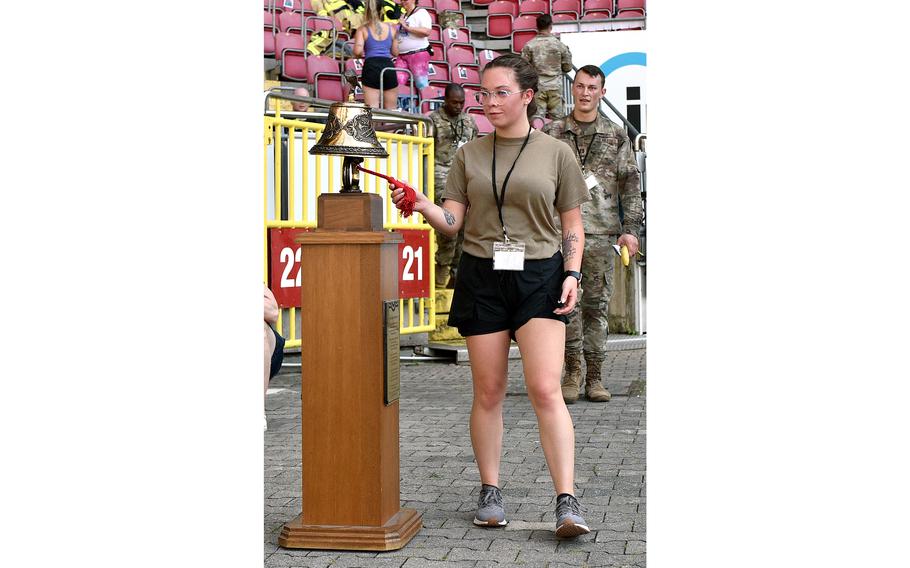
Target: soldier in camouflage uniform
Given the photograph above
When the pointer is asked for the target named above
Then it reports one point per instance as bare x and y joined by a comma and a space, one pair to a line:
452, 128
607, 160
550, 58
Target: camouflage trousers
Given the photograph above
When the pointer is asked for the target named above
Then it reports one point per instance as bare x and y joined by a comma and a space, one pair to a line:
590, 330
549, 103
448, 249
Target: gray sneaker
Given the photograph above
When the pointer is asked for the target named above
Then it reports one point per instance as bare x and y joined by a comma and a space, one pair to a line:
568, 517
490, 512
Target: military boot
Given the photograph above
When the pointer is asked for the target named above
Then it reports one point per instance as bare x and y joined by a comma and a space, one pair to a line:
572, 381
594, 389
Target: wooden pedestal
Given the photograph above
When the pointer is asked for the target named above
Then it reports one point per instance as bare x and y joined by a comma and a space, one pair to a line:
351, 494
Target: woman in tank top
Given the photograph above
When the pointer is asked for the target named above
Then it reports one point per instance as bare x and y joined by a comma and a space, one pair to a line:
517, 279
375, 41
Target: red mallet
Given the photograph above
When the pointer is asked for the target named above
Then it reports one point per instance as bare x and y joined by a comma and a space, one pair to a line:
406, 203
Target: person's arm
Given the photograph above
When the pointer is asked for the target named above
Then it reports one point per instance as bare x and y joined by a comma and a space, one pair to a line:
271, 310
447, 219
573, 244
526, 53
628, 182
566, 60
394, 48
358, 41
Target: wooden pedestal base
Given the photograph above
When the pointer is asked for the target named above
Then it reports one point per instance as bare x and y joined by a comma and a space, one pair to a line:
393, 535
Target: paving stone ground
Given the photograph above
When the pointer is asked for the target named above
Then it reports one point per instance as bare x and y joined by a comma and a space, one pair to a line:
440, 479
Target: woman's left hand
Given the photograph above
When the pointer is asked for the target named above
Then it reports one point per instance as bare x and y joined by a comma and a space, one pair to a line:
568, 297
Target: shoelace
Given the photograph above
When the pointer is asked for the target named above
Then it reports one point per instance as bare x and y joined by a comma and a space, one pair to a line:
568, 505
490, 496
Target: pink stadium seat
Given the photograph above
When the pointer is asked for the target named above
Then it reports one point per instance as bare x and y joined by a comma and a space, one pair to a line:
430, 98
355, 65
320, 23
433, 17
289, 20
288, 5
630, 13
466, 74
439, 49
534, 7
269, 18
503, 7
499, 25
598, 6
451, 35
624, 4
452, 5
426, 3
324, 74
269, 40
596, 15
307, 6
564, 17
470, 100
293, 64
482, 2
290, 39
525, 22
435, 33
566, 6
460, 53
438, 72
520, 38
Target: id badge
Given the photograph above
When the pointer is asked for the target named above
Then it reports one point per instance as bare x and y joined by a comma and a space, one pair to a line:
591, 181
508, 255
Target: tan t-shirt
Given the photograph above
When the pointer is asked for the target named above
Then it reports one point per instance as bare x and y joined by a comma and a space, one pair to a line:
547, 180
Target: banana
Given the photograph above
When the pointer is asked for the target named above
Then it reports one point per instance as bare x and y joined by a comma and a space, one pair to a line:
624, 254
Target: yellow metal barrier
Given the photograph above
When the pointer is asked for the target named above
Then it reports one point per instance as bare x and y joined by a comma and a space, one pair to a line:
410, 159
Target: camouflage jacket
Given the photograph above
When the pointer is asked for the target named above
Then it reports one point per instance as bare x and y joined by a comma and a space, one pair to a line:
550, 57
604, 150
448, 133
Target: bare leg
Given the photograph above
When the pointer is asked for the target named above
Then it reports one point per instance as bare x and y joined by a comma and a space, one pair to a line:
371, 96
542, 342
269, 349
390, 99
489, 356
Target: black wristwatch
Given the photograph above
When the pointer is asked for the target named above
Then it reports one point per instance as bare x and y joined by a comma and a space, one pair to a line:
574, 273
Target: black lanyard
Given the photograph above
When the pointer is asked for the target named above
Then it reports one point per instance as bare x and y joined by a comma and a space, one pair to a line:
458, 133
578, 150
500, 199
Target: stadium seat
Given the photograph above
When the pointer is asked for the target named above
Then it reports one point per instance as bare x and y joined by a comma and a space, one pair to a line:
293, 64
470, 100
482, 2
625, 4
460, 53
431, 98
564, 17
324, 74
466, 74
269, 41
598, 6
596, 15
435, 33
534, 7
439, 50
525, 22
499, 24
320, 23
355, 65
520, 38
452, 5
289, 20
307, 6
452, 35
290, 39
269, 18
438, 72
563, 6
503, 7
288, 5
630, 13
433, 17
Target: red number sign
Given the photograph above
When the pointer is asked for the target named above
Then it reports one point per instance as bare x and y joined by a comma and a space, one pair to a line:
284, 265
414, 264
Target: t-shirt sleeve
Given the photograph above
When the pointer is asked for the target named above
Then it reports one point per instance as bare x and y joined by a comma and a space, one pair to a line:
421, 19
456, 182
571, 190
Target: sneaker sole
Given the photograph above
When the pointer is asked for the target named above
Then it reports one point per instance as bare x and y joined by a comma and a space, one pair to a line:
490, 523
570, 529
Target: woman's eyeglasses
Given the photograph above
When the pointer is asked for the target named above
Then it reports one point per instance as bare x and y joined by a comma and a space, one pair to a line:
485, 97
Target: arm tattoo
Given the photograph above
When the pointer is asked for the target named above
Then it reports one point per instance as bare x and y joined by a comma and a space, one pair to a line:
450, 218
569, 243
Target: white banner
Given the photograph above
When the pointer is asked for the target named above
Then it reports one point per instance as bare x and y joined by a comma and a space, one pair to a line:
621, 55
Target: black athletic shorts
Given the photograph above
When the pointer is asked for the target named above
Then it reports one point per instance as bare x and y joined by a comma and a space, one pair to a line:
277, 354
372, 66
487, 300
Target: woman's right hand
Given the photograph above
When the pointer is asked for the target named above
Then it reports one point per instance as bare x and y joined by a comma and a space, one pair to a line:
420, 204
